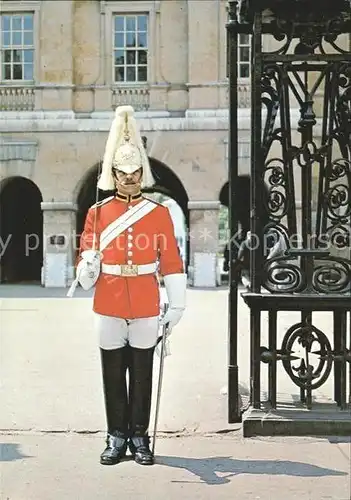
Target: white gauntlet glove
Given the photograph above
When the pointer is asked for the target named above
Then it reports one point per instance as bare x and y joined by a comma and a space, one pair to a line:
176, 289
88, 271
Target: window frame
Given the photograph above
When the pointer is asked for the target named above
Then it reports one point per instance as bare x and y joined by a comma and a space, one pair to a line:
112, 9
244, 79
125, 49
20, 8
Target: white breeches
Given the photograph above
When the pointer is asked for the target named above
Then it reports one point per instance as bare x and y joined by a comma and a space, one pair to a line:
115, 333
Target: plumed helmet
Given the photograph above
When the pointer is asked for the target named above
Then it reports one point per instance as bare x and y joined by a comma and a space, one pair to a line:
124, 150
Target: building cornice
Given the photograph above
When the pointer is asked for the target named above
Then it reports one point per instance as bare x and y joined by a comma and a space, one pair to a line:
59, 206
204, 205
67, 121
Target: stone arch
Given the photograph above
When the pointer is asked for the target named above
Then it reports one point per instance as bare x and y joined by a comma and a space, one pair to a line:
242, 203
167, 183
21, 230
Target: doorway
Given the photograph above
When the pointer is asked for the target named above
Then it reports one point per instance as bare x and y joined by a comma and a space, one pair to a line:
21, 231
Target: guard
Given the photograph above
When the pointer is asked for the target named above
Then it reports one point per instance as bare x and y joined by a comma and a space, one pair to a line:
127, 240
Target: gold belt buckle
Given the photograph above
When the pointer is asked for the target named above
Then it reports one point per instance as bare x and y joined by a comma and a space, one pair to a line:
129, 270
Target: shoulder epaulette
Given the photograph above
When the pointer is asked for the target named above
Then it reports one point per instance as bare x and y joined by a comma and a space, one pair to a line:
102, 202
153, 201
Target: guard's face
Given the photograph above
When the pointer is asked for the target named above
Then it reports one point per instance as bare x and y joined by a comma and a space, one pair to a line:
128, 183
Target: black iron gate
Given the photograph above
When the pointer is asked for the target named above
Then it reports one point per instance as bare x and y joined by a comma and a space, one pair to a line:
300, 261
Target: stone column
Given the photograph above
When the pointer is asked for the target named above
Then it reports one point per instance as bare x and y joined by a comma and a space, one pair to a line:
59, 221
203, 53
171, 73
87, 55
203, 236
55, 64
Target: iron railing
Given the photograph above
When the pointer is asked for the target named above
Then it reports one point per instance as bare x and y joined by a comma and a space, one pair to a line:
302, 269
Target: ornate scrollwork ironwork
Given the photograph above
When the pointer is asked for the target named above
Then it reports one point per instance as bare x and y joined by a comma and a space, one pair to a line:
282, 276
284, 270
275, 169
276, 196
285, 274
343, 103
314, 366
280, 273
270, 83
315, 29
337, 203
332, 35
308, 187
332, 275
308, 154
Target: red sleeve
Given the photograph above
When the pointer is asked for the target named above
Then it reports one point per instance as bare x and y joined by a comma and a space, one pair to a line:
87, 236
169, 255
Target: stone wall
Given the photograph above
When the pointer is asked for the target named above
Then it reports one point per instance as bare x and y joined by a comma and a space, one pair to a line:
184, 117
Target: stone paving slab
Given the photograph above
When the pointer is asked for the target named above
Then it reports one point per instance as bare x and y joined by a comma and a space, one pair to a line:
57, 467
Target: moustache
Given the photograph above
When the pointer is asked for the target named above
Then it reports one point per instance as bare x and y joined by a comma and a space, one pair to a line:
130, 183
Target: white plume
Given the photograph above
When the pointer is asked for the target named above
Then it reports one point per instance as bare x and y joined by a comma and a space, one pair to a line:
124, 117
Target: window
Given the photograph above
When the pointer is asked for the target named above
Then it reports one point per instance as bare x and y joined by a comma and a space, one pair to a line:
130, 48
244, 56
17, 47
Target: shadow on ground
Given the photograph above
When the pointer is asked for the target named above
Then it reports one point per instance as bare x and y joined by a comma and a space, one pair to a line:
9, 452
206, 469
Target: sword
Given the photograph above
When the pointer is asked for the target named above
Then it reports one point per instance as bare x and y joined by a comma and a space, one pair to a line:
162, 339
96, 200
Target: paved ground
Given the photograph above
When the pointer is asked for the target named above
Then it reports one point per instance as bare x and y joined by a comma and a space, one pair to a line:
57, 467
49, 361
52, 421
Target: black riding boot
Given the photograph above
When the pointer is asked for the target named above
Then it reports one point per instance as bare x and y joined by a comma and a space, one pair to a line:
140, 389
114, 365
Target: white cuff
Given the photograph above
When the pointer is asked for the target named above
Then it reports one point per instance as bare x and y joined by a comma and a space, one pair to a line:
176, 289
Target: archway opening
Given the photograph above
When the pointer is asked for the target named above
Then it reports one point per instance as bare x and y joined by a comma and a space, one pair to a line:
242, 211
241, 203
21, 229
223, 233
167, 187
169, 190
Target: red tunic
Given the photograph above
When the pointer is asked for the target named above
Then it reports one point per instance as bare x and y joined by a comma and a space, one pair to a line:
150, 239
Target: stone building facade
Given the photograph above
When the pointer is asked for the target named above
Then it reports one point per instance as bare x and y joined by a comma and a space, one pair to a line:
65, 66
